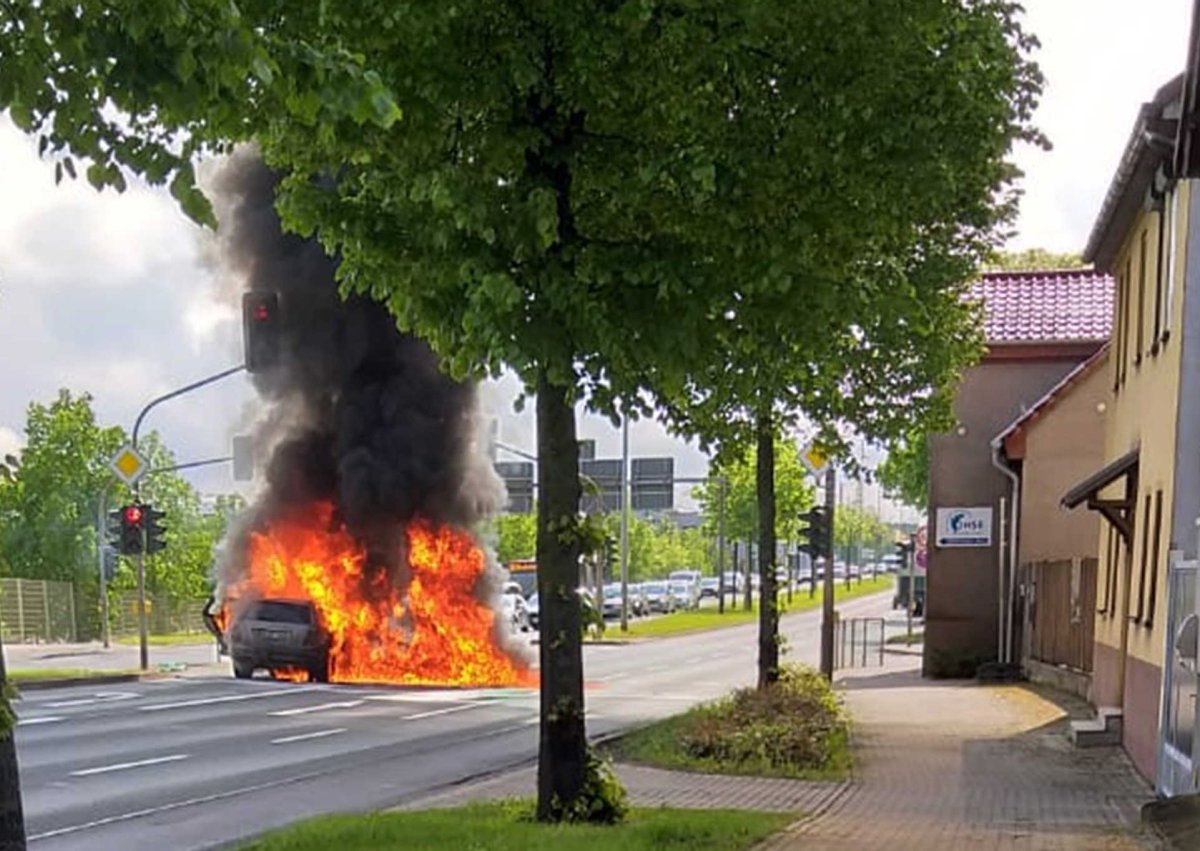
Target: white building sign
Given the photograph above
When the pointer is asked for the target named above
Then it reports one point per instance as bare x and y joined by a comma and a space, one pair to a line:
964, 527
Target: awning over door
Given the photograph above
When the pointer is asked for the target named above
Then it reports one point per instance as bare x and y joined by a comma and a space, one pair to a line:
1118, 512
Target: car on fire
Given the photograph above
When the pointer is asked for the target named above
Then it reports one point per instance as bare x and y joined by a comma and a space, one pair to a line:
277, 635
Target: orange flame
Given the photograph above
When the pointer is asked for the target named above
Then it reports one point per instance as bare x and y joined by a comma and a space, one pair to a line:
436, 634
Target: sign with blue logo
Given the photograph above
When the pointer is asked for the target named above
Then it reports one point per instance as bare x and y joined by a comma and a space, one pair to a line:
964, 527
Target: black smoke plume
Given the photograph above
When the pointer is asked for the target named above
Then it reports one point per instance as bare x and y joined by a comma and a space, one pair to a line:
358, 413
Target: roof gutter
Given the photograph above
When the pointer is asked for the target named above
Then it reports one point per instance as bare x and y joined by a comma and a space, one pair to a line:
1007, 587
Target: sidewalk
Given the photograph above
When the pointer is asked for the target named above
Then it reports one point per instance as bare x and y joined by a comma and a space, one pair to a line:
940, 766
94, 656
947, 765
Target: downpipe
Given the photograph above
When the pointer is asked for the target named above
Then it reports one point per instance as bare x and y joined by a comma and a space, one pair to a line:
1014, 515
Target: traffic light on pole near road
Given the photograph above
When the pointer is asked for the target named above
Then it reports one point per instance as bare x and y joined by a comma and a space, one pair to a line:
154, 530
133, 529
261, 330
815, 532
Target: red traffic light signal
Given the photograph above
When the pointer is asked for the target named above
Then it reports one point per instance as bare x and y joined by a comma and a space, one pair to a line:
133, 515
261, 330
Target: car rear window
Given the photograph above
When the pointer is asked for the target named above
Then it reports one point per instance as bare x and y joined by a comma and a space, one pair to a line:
282, 613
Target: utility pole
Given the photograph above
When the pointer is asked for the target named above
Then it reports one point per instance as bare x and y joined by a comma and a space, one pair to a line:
827, 601
101, 546
721, 545
143, 625
625, 494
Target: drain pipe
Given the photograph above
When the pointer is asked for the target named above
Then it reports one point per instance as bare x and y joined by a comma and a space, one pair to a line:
1014, 519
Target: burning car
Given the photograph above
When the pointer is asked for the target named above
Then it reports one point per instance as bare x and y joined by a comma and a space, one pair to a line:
281, 636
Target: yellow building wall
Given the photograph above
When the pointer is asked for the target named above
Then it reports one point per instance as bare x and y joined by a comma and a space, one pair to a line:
1144, 385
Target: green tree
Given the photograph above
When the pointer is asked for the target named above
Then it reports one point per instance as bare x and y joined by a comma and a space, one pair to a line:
516, 536
50, 498
1033, 260
905, 471
585, 193
794, 493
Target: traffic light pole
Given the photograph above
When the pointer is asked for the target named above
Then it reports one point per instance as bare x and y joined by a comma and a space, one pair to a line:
827, 588
143, 626
101, 542
625, 496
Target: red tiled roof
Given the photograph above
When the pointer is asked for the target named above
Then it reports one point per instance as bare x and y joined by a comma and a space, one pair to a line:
1074, 305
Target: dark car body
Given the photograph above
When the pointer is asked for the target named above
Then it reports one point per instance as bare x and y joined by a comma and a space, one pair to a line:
279, 634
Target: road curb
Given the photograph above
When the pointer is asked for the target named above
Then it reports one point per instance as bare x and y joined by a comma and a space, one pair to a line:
101, 680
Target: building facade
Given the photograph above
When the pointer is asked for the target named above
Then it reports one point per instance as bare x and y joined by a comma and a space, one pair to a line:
1039, 327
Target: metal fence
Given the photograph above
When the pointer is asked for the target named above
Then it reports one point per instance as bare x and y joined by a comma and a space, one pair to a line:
36, 610
859, 642
163, 614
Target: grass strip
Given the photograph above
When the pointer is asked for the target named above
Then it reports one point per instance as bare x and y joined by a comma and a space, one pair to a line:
32, 675
708, 618
508, 826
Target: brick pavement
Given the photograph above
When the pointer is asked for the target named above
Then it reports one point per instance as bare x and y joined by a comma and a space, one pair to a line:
943, 766
940, 766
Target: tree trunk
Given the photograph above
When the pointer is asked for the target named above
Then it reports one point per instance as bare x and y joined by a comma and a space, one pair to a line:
12, 820
562, 750
768, 612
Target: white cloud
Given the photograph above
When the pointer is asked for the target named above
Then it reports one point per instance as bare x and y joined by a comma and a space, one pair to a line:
10, 442
1102, 60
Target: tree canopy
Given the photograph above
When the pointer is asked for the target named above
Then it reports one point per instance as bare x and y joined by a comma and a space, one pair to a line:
605, 197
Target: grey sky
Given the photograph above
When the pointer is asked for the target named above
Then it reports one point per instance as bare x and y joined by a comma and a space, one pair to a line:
111, 294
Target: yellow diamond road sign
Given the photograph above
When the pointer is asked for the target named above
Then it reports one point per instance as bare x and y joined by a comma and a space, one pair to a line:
128, 465
814, 459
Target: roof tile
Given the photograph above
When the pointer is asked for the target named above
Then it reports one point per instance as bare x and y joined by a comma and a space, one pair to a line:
1045, 307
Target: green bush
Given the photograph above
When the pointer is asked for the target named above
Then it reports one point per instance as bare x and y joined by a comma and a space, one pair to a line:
797, 724
601, 800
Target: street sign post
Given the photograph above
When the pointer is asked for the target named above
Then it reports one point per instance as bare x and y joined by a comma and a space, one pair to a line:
129, 465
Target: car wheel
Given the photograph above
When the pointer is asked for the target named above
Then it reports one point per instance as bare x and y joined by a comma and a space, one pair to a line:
319, 673
243, 670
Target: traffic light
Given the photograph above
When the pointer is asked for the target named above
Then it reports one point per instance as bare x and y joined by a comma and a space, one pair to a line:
133, 529
610, 553
261, 330
154, 529
110, 564
115, 525
815, 532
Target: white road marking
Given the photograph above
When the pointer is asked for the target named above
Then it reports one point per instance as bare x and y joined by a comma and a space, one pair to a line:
320, 734
529, 722
445, 711
304, 710
225, 698
100, 697
45, 719
122, 766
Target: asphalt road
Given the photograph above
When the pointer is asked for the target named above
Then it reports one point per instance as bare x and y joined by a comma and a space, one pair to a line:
201, 762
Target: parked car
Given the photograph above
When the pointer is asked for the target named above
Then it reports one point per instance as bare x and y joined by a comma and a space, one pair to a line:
612, 600
277, 633
684, 576
686, 594
709, 586
514, 608
532, 609
658, 597
638, 604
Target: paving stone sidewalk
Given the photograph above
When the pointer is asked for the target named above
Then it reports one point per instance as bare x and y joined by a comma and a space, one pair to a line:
941, 766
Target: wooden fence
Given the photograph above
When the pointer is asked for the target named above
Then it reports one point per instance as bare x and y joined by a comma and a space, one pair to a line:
1061, 596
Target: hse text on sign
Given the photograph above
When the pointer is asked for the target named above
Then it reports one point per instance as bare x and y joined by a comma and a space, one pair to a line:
964, 527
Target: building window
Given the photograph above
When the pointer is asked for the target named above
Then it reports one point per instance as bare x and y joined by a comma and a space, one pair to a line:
1141, 297
1172, 208
1126, 316
1156, 551
1159, 283
1144, 564
1109, 556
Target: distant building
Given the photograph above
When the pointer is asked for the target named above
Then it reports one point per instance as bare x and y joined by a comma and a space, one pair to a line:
1039, 327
